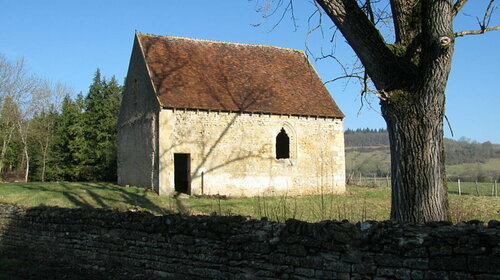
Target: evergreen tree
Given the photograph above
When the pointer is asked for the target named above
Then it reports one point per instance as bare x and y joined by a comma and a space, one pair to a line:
100, 119
69, 141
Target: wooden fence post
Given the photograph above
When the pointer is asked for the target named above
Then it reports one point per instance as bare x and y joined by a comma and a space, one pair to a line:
496, 188
459, 189
477, 190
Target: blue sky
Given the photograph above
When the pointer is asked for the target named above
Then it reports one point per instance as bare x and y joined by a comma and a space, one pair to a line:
66, 41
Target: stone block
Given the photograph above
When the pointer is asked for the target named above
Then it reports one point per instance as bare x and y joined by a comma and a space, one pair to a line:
461, 276
388, 260
352, 257
417, 253
264, 273
402, 273
343, 276
297, 250
417, 274
488, 277
308, 272
436, 275
440, 251
457, 263
484, 264
340, 267
324, 274
363, 268
386, 271
416, 263
182, 239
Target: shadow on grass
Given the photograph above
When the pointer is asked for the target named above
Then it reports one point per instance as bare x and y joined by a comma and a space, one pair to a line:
462, 193
98, 195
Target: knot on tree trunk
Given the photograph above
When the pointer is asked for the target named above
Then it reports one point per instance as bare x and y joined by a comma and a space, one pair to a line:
444, 41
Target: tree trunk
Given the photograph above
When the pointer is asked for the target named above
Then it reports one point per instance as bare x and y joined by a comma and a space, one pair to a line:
5, 145
27, 165
44, 159
45, 151
410, 76
415, 126
23, 131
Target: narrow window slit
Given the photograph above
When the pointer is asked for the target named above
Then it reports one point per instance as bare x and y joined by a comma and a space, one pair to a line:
282, 145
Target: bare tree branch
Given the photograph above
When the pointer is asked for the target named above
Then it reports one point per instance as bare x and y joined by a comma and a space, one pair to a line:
343, 77
366, 41
483, 24
369, 11
289, 7
449, 125
458, 6
311, 30
477, 32
324, 56
487, 15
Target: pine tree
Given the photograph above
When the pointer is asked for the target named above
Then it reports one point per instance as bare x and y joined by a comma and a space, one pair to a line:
69, 140
100, 118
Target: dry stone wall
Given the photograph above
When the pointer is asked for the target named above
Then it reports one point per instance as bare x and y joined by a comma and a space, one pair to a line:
136, 245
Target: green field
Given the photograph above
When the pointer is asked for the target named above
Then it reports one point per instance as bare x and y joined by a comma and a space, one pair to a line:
490, 168
375, 160
358, 204
371, 160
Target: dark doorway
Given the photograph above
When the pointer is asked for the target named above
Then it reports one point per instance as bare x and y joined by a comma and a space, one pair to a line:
282, 145
182, 170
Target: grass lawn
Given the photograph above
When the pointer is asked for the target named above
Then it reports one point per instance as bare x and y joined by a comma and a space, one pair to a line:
358, 204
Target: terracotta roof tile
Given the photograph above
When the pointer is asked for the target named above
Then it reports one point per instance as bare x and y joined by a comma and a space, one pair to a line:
201, 74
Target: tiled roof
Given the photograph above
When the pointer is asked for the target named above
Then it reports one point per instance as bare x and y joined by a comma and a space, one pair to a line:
201, 74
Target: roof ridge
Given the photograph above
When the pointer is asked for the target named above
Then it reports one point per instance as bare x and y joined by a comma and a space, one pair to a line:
221, 42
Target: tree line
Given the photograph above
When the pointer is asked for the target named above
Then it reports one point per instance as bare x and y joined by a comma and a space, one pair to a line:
47, 135
366, 137
456, 152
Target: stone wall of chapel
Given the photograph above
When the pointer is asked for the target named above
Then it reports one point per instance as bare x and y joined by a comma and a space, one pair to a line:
234, 154
137, 127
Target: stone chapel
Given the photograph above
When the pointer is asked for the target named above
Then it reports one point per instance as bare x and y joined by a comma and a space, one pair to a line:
205, 117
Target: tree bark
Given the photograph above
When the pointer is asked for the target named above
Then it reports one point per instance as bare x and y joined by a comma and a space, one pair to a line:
415, 124
411, 77
419, 192
406, 20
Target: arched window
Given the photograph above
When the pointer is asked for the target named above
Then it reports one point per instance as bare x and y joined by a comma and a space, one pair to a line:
282, 145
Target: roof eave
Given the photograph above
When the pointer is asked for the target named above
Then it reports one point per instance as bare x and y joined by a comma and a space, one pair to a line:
251, 112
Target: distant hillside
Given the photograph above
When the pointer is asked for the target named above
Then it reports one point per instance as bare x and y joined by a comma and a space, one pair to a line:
366, 137
367, 151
